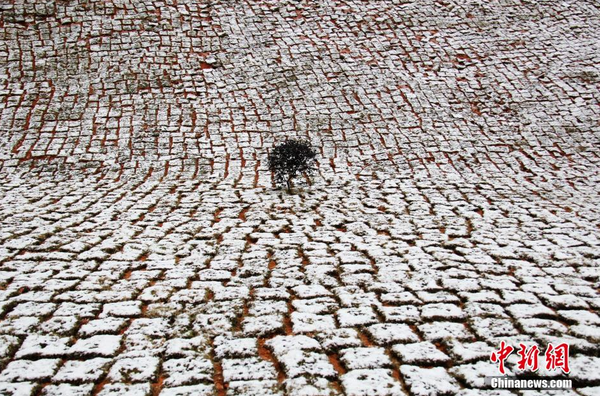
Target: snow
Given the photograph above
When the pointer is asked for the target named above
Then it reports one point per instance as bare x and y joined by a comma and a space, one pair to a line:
68, 389
29, 370
404, 313
339, 338
420, 353
107, 325
365, 358
125, 309
181, 347
101, 345
309, 386
350, 317
428, 381
247, 369
371, 382
253, 388
125, 389
82, 370
191, 390
301, 362
474, 374
262, 325
134, 369
386, 333
308, 322
187, 370
439, 331
17, 388
228, 346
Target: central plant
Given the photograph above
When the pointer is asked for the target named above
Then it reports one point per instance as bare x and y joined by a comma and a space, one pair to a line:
289, 160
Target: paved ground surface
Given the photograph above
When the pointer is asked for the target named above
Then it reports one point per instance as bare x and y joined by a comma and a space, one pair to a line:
144, 250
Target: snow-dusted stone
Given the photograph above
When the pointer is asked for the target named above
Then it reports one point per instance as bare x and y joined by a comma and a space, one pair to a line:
365, 358
123, 309
580, 317
318, 305
302, 362
271, 293
542, 327
469, 351
267, 307
489, 328
125, 389
29, 307
441, 311
156, 327
262, 325
438, 331
371, 382
426, 382
190, 390
353, 296
247, 369
308, 323
311, 291
68, 389
100, 345
82, 370
281, 345
17, 388
77, 310
7, 345
187, 370
227, 346
474, 374
134, 369
420, 353
59, 325
140, 345
438, 297
485, 296
585, 369
473, 309
333, 340
350, 317
253, 388
589, 332
189, 296
156, 293
590, 391
387, 333
519, 296
43, 346
564, 301
21, 326
212, 324
108, 325
519, 311
401, 298
237, 293
404, 313
29, 370
309, 386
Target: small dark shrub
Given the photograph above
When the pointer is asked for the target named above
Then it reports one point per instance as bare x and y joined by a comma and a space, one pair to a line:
290, 159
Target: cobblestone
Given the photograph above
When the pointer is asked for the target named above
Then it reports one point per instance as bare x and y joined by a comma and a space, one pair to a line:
145, 251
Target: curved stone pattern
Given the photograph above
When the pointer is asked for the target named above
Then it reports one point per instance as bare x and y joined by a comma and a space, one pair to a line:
144, 250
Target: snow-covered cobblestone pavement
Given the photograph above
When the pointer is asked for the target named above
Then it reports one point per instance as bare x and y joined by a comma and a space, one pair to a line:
144, 250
